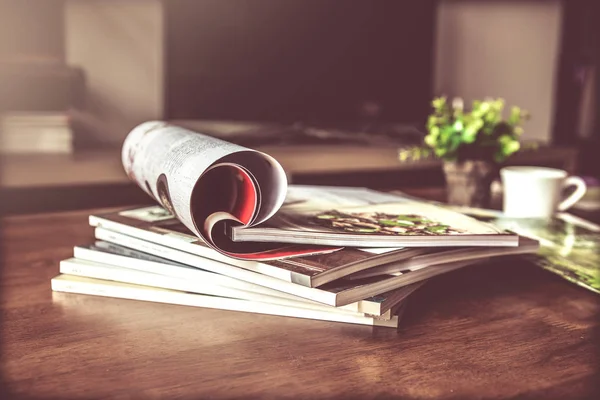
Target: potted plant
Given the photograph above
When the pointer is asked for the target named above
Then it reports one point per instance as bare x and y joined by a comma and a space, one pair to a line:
472, 145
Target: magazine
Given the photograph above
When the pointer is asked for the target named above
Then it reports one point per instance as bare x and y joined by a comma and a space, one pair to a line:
117, 273
231, 197
526, 246
119, 256
406, 223
309, 270
569, 247
100, 287
338, 293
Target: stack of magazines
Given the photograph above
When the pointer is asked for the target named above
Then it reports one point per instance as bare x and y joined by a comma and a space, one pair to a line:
228, 232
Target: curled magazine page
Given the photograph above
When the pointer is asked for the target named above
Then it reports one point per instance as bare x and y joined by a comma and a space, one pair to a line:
206, 182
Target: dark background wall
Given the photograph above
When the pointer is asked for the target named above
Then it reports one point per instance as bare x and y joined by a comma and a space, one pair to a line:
308, 60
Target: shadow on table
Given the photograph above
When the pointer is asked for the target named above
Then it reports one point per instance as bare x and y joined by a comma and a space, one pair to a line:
484, 292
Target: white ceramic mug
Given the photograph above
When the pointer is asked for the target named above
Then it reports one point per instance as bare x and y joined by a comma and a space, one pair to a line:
536, 192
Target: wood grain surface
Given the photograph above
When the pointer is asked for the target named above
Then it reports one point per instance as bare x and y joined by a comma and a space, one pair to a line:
499, 330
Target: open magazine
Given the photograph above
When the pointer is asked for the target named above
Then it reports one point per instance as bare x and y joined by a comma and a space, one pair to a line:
234, 199
569, 246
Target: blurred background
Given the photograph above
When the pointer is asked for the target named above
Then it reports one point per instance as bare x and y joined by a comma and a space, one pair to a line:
331, 88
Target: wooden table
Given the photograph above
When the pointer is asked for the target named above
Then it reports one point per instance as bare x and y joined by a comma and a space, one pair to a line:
496, 330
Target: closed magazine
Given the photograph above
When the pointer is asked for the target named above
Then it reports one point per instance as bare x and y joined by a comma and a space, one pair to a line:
526, 246
106, 288
366, 292
92, 269
119, 256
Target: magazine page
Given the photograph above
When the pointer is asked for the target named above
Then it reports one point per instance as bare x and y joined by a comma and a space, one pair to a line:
567, 248
364, 218
205, 182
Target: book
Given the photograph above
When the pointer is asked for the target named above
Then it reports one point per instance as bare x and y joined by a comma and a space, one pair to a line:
98, 287
22, 132
234, 199
334, 293
109, 272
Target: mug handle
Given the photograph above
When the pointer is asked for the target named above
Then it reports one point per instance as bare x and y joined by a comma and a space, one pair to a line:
576, 195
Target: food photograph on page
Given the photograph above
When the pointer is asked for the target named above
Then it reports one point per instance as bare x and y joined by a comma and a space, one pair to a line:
389, 224
379, 222
344, 210
387, 219
363, 211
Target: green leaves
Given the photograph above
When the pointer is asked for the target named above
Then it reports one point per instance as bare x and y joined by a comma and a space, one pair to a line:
511, 147
440, 152
430, 140
439, 103
453, 130
414, 153
437, 228
457, 134
469, 134
395, 222
515, 116
508, 145
411, 219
